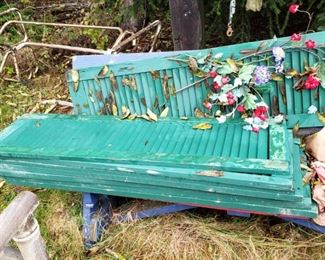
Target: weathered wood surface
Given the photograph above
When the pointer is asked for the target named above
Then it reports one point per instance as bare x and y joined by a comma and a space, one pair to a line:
158, 79
225, 167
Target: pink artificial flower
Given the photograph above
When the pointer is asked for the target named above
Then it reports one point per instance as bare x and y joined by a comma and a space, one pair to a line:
213, 74
241, 108
296, 37
293, 8
230, 95
207, 105
310, 44
224, 80
311, 82
255, 128
231, 101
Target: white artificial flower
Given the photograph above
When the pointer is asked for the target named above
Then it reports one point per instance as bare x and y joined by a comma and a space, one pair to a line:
248, 127
261, 104
278, 119
223, 98
218, 55
278, 53
218, 79
237, 82
312, 109
249, 120
221, 119
257, 121
264, 125
218, 113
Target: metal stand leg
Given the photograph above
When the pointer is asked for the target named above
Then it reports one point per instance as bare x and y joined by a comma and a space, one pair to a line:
160, 211
97, 214
306, 223
235, 213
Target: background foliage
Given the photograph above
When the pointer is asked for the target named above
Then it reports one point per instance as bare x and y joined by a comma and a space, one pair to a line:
272, 20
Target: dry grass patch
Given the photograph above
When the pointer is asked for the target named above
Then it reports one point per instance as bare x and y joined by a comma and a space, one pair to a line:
214, 236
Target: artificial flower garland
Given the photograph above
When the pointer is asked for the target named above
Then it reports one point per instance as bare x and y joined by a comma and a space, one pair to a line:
236, 84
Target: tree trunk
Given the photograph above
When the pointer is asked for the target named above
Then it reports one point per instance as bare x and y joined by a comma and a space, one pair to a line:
187, 24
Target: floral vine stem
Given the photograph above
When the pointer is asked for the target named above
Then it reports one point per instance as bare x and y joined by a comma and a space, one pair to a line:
310, 17
288, 47
255, 61
192, 84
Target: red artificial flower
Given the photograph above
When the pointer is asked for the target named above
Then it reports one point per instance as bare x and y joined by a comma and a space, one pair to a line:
224, 80
255, 129
293, 8
262, 117
213, 74
216, 86
312, 82
207, 105
260, 112
241, 108
310, 44
296, 37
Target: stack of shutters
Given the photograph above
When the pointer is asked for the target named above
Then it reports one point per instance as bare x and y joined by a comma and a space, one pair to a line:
225, 167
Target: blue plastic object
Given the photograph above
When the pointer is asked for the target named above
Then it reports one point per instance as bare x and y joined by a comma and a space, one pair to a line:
97, 214
306, 223
238, 214
160, 211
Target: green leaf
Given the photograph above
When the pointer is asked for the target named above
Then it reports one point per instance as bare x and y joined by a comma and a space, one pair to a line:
202, 126
227, 88
321, 118
202, 60
245, 73
321, 73
249, 101
225, 69
263, 88
232, 64
200, 73
276, 77
291, 73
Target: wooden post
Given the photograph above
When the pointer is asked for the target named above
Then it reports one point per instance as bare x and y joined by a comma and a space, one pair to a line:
187, 23
130, 23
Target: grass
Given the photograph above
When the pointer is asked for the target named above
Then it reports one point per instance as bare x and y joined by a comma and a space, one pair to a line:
198, 234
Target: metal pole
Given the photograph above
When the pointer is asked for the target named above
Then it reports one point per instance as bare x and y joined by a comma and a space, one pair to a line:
11, 10
10, 254
14, 217
61, 25
17, 222
63, 47
30, 242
